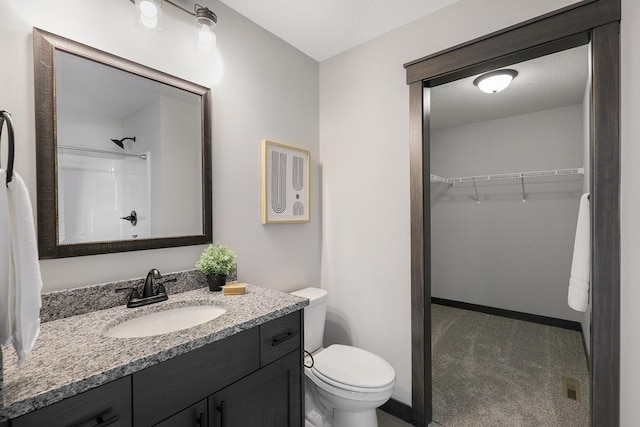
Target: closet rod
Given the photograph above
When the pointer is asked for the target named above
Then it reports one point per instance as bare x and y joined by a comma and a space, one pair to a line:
94, 150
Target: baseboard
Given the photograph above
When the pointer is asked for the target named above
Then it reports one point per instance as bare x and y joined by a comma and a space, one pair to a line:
398, 410
527, 317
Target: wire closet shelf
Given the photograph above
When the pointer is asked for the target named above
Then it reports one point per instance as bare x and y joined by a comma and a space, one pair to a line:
521, 178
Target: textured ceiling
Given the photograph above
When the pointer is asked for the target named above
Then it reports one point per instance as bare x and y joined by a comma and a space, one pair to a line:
544, 83
325, 28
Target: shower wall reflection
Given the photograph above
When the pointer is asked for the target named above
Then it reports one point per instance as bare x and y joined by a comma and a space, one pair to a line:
120, 144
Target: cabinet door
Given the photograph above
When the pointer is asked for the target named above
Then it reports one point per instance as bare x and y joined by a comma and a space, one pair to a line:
270, 397
193, 416
168, 387
107, 405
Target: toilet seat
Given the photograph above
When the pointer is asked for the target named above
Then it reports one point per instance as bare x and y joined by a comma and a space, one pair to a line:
353, 369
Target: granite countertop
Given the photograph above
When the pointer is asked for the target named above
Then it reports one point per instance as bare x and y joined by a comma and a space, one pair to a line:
72, 355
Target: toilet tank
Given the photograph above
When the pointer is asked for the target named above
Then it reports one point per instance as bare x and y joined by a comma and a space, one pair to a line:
314, 317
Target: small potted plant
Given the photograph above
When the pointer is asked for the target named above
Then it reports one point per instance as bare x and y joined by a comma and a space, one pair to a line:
216, 262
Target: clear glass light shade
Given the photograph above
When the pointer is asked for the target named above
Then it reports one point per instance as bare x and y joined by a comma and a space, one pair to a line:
206, 38
495, 81
149, 13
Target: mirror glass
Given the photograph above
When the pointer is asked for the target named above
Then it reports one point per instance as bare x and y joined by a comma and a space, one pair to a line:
127, 148
125, 144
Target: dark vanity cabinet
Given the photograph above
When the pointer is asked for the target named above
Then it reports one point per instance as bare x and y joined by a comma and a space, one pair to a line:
269, 397
252, 378
168, 387
195, 415
272, 396
107, 405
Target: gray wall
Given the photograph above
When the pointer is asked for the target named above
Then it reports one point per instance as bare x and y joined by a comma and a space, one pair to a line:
268, 90
503, 252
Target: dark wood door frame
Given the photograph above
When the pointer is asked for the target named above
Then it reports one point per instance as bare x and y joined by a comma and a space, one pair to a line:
598, 21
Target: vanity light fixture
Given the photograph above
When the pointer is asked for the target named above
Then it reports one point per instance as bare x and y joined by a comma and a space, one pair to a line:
206, 21
495, 81
151, 10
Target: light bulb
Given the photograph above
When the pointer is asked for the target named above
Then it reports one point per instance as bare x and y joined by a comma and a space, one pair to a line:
149, 13
149, 22
148, 9
206, 38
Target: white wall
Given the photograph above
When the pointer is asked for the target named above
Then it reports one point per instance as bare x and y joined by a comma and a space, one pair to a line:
364, 134
268, 90
180, 142
630, 226
83, 203
502, 252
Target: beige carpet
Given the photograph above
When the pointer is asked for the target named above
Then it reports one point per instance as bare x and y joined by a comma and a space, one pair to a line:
494, 371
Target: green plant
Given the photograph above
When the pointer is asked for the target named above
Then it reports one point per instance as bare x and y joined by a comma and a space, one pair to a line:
217, 259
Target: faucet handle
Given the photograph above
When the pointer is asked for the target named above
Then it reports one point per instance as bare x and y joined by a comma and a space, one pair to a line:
160, 289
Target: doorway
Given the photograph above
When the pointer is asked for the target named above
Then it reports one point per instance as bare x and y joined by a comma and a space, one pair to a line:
506, 180
595, 21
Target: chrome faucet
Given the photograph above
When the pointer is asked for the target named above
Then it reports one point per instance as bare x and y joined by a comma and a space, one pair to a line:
148, 284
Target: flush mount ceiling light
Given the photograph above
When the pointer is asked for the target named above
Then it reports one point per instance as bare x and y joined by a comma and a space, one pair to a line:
149, 12
495, 81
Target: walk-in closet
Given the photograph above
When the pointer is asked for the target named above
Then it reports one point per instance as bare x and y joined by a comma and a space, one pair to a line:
508, 170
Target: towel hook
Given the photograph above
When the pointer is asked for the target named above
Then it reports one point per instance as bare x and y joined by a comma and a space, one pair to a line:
5, 116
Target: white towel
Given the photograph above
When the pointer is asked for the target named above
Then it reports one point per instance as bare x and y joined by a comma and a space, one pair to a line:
5, 263
25, 282
580, 279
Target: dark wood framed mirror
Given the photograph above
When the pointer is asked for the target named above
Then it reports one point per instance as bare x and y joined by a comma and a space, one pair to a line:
123, 153
595, 21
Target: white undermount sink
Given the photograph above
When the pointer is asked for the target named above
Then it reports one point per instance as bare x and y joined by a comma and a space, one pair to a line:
163, 322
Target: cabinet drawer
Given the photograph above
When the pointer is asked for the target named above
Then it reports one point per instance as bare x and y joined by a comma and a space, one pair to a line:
168, 387
107, 405
280, 337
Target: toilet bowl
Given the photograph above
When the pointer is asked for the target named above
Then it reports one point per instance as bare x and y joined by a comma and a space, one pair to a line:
343, 384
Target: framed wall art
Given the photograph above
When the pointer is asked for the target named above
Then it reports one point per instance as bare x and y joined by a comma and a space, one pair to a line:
285, 183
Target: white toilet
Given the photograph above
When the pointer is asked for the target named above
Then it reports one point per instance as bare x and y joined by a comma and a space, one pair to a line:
346, 384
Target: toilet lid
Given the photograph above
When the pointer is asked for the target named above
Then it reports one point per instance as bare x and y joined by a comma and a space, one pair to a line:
353, 366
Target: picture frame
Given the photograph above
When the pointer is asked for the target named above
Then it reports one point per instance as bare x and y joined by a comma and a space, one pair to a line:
285, 183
